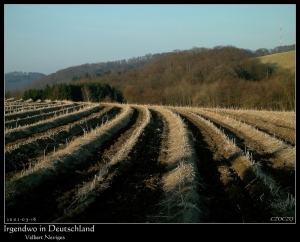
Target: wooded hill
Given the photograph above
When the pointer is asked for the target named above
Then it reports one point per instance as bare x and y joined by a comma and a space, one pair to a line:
18, 79
224, 76
86, 71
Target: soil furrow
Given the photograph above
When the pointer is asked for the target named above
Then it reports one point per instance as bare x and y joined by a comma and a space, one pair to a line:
222, 190
274, 118
28, 113
26, 201
31, 130
265, 192
181, 202
279, 153
285, 133
52, 141
18, 123
25, 107
97, 160
285, 175
131, 190
130, 163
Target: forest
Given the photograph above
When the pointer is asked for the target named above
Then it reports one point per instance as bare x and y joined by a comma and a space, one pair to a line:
87, 92
223, 76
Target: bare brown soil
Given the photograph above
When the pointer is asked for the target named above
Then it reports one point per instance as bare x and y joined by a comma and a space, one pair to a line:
30, 113
18, 122
283, 132
32, 150
132, 190
281, 172
25, 132
226, 198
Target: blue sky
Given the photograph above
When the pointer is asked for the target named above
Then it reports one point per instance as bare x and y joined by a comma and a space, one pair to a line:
46, 38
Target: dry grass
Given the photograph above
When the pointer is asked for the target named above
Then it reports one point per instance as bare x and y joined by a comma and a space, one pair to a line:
80, 148
284, 154
84, 191
46, 109
225, 147
244, 165
182, 202
283, 128
43, 125
283, 60
42, 116
269, 118
51, 133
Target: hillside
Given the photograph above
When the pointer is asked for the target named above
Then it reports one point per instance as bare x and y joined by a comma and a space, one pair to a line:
224, 76
17, 79
283, 60
88, 70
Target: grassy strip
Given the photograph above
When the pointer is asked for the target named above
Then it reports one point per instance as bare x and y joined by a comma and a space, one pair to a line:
54, 134
182, 201
269, 196
283, 153
42, 126
41, 116
83, 194
20, 155
279, 118
268, 125
45, 108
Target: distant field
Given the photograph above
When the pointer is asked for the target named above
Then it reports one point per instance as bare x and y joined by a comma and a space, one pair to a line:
284, 60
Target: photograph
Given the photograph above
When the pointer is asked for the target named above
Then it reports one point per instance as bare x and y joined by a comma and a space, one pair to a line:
154, 114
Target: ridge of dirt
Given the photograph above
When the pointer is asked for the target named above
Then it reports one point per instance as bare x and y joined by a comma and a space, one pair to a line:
132, 189
32, 149
222, 191
226, 188
285, 175
43, 200
27, 131
287, 134
260, 191
30, 112
40, 117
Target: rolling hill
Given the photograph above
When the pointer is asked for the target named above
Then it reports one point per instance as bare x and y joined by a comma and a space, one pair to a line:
18, 79
283, 60
224, 76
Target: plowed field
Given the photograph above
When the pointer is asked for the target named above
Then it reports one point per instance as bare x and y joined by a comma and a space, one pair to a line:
126, 163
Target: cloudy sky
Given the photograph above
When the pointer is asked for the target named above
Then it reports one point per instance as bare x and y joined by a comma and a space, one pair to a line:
48, 37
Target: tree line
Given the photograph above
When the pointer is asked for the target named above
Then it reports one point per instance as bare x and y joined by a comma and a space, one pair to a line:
278, 49
87, 92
